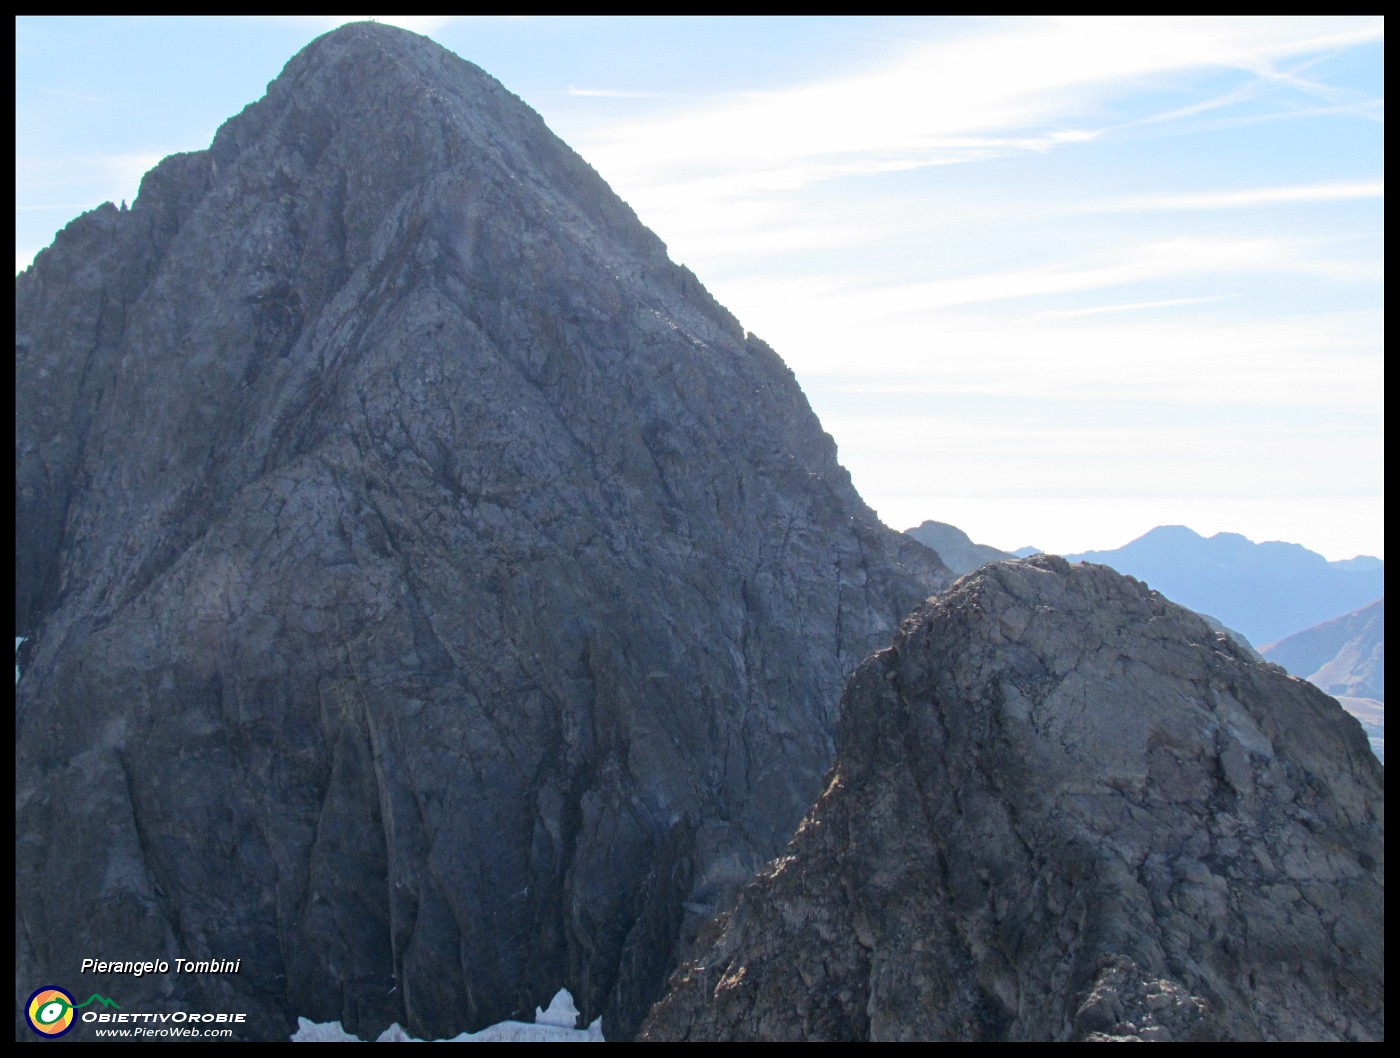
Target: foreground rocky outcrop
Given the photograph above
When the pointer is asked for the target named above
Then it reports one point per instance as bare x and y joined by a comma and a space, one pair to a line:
436, 598
1064, 809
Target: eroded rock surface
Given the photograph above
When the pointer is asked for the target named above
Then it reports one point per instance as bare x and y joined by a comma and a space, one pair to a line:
436, 597
1064, 809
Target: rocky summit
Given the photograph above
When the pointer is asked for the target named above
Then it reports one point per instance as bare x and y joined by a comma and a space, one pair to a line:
1064, 809
436, 598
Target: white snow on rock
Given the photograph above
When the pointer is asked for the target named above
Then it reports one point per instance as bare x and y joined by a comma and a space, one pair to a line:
322, 1032
555, 1025
561, 1012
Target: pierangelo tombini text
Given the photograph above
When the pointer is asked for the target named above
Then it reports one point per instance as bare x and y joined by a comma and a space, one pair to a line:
161, 966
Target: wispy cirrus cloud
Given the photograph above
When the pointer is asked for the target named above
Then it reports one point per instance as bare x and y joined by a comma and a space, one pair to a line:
1338, 191
1145, 263
70, 95
1031, 87
607, 93
1025, 87
1137, 306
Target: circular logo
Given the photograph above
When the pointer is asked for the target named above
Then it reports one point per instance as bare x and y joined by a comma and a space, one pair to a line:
50, 1011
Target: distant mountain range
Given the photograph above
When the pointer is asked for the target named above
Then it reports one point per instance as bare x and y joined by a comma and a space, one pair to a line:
1267, 591
1345, 656
956, 548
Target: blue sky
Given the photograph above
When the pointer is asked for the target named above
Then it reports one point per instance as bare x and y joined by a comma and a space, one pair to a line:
1055, 281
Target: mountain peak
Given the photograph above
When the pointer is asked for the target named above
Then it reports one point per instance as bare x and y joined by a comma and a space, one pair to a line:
446, 568
1171, 532
364, 56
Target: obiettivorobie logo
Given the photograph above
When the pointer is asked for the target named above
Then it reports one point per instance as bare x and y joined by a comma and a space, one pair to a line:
50, 1011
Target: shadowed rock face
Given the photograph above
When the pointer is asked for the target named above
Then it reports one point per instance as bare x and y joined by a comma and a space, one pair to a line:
438, 599
1064, 809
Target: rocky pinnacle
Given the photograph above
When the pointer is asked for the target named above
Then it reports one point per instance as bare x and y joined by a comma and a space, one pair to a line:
437, 599
1064, 809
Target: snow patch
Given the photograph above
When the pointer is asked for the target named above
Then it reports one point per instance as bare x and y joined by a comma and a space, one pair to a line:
555, 1025
561, 1012
322, 1032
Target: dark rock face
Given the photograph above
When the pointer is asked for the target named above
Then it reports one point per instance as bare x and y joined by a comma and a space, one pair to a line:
438, 599
1064, 809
